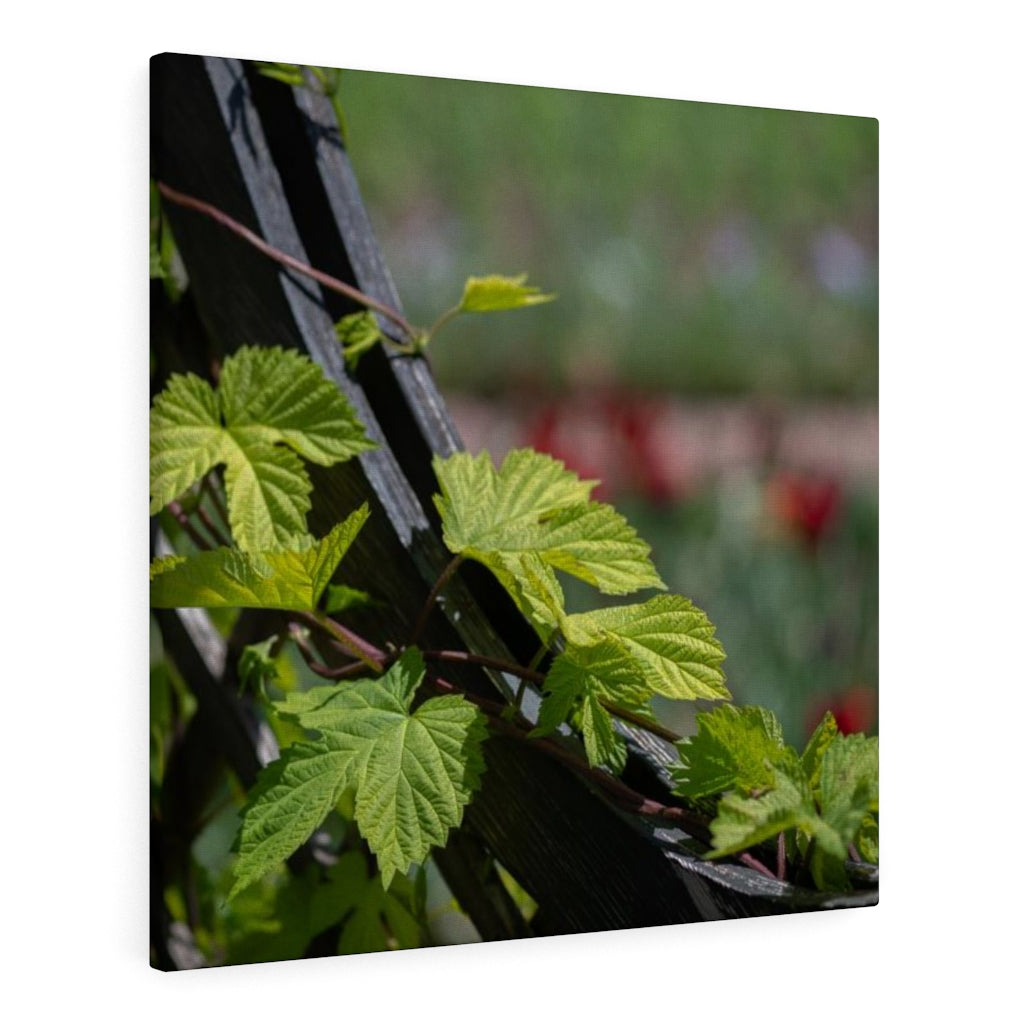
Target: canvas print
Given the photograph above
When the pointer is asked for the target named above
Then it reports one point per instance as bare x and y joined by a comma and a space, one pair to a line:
514, 512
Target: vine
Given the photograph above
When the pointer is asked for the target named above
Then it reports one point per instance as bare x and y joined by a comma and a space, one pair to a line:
391, 732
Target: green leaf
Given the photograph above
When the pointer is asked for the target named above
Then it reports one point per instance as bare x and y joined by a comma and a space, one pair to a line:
341, 598
771, 790
814, 752
271, 406
531, 516
290, 800
358, 333
413, 772
744, 821
186, 439
849, 788
481, 507
289, 74
257, 668
164, 564
533, 587
735, 748
867, 839
575, 686
604, 746
291, 580
595, 544
495, 292
671, 640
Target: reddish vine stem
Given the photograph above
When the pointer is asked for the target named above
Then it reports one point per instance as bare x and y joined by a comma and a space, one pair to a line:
212, 527
626, 797
318, 667
347, 641
780, 857
332, 283
479, 659
752, 862
217, 499
174, 507
428, 605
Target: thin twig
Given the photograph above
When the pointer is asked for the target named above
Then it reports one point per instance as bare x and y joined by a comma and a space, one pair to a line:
332, 283
780, 857
428, 605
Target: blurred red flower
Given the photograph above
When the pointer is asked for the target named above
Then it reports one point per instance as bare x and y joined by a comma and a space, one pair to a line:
808, 506
855, 710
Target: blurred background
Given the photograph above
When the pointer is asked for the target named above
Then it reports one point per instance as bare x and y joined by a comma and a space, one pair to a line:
712, 356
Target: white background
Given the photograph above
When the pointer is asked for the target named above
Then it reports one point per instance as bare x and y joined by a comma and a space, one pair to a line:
74, 138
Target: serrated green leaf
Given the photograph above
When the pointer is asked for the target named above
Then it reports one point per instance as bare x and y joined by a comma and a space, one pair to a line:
481, 507
271, 406
290, 580
604, 746
823, 735
735, 748
593, 543
671, 640
496, 292
744, 821
849, 788
576, 685
419, 776
291, 798
186, 439
413, 771
533, 587
531, 516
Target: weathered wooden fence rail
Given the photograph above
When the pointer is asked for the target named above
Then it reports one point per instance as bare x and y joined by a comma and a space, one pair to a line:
271, 157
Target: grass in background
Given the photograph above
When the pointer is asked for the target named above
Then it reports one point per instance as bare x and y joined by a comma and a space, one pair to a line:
694, 247
698, 251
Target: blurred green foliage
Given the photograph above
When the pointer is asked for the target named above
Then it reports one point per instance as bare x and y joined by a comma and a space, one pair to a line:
694, 247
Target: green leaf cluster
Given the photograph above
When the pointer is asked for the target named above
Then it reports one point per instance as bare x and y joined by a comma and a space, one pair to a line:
532, 517
823, 800
272, 408
412, 772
